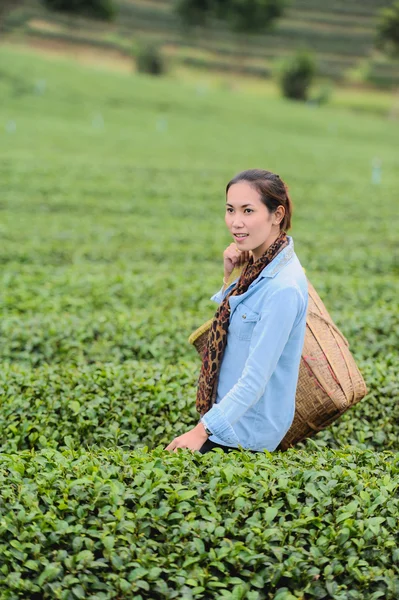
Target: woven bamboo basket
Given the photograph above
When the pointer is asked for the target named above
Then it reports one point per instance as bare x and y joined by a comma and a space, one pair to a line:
329, 380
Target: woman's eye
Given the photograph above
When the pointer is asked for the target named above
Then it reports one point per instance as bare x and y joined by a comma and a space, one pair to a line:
230, 210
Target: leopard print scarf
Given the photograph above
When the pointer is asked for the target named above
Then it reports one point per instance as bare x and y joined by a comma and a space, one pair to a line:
217, 338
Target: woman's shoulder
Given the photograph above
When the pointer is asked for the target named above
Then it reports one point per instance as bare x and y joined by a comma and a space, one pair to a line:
291, 274
288, 282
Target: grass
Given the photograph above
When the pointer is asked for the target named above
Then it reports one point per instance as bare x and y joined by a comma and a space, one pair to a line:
358, 99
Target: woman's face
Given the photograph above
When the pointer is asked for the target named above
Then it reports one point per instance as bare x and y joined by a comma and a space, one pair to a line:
250, 222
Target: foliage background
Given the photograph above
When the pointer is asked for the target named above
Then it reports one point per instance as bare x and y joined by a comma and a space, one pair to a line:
113, 233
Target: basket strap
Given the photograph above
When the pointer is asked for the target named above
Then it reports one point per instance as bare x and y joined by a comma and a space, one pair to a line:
330, 366
330, 323
319, 377
335, 330
349, 400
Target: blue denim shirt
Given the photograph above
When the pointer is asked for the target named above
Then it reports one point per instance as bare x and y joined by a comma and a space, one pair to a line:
255, 402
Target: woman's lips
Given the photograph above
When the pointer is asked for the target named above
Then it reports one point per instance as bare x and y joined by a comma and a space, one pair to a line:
239, 238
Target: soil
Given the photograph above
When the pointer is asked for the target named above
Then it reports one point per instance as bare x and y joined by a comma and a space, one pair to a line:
110, 59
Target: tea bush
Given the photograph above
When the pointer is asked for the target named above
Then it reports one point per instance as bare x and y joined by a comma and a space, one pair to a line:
141, 525
147, 403
112, 239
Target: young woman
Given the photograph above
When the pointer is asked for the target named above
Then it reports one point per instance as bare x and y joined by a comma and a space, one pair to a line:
246, 388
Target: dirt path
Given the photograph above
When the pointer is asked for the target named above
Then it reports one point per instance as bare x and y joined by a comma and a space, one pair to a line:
103, 58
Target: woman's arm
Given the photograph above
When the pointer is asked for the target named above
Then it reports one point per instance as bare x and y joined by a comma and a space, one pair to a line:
269, 338
233, 260
193, 439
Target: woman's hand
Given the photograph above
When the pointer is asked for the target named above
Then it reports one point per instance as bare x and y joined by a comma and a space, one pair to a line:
234, 257
193, 439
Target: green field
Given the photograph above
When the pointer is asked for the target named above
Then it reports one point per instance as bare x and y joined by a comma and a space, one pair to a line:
112, 225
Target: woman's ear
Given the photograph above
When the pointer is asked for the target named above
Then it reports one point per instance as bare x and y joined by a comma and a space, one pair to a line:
279, 215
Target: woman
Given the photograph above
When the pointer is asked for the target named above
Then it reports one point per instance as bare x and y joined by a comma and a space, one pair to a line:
246, 389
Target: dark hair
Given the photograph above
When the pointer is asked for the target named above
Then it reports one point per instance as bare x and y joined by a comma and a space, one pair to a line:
273, 191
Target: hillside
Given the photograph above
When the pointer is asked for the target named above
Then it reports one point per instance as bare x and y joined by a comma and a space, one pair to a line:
341, 34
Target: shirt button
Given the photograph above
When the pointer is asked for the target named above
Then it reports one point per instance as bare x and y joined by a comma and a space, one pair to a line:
244, 316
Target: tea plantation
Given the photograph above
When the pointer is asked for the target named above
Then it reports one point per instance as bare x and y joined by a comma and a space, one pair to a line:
112, 206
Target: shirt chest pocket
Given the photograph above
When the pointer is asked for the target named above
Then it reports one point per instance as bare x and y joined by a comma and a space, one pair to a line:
243, 322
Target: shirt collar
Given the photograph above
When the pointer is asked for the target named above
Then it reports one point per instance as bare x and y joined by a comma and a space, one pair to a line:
280, 261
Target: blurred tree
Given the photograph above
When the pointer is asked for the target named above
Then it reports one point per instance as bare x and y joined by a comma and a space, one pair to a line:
149, 59
254, 16
242, 16
388, 30
387, 40
194, 12
296, 74
6, 6
98, 9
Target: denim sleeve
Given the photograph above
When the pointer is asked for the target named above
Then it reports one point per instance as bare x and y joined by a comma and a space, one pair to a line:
269, 338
